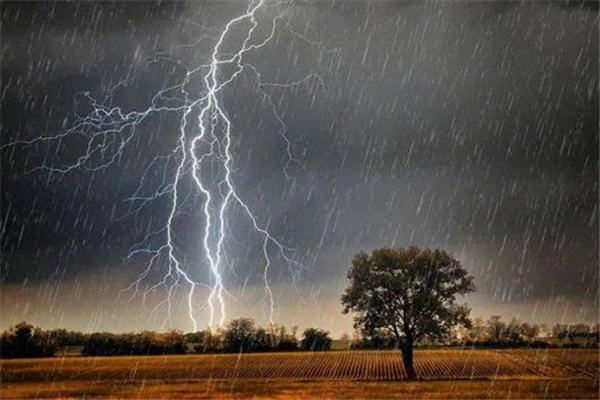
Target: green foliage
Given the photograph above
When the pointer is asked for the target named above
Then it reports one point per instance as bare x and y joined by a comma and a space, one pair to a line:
496, 329
194, 337
408, 292
494, 333
143, 343
314, 339
240, 335
497, 333
285, 341
212, 341
24, 340
577, 335
64, 338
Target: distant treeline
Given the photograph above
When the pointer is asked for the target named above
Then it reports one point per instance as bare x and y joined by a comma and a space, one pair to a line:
241, 335
496, 333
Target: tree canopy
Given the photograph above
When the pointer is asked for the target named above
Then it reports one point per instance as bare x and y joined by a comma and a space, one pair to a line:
315, 339
410, 292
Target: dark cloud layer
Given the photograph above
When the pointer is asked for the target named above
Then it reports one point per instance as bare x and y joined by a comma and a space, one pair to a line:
467, 125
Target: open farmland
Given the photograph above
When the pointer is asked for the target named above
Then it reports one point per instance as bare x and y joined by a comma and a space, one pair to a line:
342, 374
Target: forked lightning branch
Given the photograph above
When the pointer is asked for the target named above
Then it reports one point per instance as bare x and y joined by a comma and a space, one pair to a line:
205, 135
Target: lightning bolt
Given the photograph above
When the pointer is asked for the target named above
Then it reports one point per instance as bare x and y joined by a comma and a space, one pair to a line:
203, 151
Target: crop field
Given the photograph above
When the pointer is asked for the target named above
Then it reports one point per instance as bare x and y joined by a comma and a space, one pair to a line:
338, 374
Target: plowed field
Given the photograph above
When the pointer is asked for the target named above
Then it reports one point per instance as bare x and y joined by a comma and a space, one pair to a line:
338, 366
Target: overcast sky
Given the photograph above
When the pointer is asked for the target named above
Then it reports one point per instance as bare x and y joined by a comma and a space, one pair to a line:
471, 126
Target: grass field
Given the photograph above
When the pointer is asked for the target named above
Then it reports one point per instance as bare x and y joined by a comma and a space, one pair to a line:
547, 373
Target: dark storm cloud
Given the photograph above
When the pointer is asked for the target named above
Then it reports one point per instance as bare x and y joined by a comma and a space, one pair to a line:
472, 126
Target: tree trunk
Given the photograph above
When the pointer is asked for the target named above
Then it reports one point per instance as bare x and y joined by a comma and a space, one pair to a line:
407, 359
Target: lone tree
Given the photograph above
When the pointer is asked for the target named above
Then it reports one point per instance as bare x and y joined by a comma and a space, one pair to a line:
410, 292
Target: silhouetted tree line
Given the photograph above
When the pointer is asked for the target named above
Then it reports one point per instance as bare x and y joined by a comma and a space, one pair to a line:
143, 343
577, 335
241, 335
24, 340
495, 333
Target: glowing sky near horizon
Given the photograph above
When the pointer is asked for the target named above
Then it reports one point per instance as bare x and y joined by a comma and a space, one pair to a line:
471, 126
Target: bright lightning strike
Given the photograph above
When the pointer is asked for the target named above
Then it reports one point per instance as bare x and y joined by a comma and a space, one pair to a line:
203, 152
